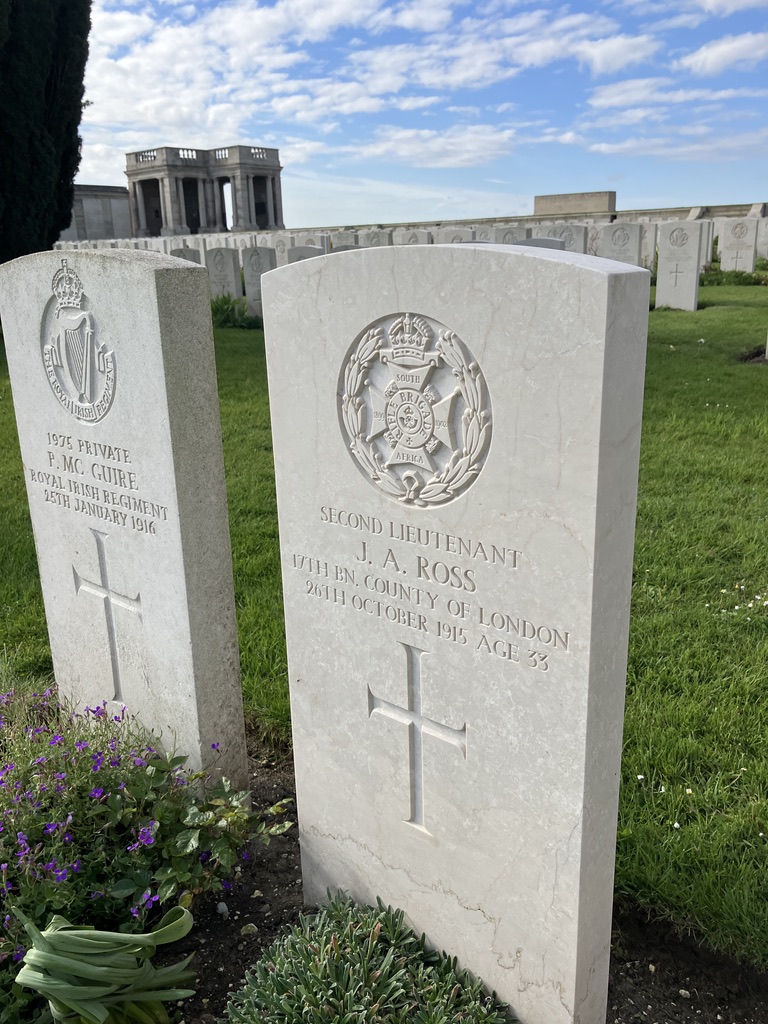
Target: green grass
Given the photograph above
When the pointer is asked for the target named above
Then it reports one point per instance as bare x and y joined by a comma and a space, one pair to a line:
697, 714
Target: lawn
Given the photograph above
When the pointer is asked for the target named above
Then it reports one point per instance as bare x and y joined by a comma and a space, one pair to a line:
693, 828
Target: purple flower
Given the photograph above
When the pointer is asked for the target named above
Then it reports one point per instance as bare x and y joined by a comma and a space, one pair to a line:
226, 885
40, 760
60, 876
214, 746
81, 745
98, 761
96, 794
20, 951
56, 740
51, 827
140, 762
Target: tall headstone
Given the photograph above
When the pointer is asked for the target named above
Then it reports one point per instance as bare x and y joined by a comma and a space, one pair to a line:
256, 261
224, 272
762, 238
456, 528
114, 386
648, 245
677, 274
738, 243
620, 242
281, 244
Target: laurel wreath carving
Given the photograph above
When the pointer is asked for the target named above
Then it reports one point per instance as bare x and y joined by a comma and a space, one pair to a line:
464, 463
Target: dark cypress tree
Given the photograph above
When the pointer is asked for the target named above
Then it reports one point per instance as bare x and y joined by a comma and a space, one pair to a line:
43, 50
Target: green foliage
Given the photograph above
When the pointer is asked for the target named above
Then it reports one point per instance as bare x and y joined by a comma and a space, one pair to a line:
100, 825
227, 311
43, 51
99, 977
359, 965
716, 276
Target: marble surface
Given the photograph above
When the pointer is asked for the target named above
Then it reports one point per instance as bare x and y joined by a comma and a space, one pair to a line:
456, 506
223, 266
621, 241
114, 388
677, 275
737, 243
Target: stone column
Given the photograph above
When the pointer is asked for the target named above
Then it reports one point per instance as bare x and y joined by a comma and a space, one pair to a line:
278, 201
251, 200
271, 223
183, 226
141, 209
220, 226
201, 203
166, 207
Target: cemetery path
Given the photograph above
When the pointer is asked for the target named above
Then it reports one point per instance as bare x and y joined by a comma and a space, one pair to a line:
656, 976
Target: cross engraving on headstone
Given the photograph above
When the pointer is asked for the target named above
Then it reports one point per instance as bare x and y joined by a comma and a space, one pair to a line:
675, 273
110, 598
737, 257
417, 726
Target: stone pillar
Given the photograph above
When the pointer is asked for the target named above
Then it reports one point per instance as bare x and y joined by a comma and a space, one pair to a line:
251, 200
183, 228
201, 204
271, 222
220, 225
166, 207
278, 201
141, 209
240, 215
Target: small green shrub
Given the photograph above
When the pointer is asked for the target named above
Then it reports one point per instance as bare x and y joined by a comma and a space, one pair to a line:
226, 311
714, 275
98, 825
359, 965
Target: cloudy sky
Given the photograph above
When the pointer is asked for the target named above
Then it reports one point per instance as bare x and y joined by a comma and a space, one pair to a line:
407, 110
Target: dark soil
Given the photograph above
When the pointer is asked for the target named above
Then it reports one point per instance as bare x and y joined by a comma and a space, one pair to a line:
657, 977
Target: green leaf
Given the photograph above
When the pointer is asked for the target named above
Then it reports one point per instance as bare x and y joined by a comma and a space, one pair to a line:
187, 841
124, 887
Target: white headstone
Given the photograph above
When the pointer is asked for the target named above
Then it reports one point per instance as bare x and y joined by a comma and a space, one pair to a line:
345, 237
224, 271
256, 261
456, 528
738, 243
620, 242
411, 236
193, 255
677, 274
648, 245
114, 386
707, 238
762, 238
573, 236
281, 244
511, 235
318, 239
373, 238
304, 252
447, 235
543, 243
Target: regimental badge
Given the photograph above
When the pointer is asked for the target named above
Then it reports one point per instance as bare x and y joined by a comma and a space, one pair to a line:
80, 369
620, 237
739, 231
678, 237
414, 410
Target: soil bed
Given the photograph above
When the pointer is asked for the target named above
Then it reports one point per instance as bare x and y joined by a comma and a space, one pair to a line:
657, 977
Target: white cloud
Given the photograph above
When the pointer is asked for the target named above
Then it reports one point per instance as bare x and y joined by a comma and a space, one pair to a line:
604, 56
744, 51
457, 146
645, 91
729, 148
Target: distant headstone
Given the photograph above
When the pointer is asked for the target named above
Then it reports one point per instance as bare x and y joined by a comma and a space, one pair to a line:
707, 239
484, 233
648, 245
543, 243
456, 528
224, 271
281, 244
114, 386
319, 239
454, 234
510, 235
256, 261
677, 274
343, 238
374, 238
573, 236
620, 242
304, 252
762, 238
411, 236
738, 243
193, 255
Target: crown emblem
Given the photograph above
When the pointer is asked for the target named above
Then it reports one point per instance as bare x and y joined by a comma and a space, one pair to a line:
409, 337
67, 287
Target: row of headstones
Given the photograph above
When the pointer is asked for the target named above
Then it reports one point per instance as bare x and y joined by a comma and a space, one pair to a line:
456, 434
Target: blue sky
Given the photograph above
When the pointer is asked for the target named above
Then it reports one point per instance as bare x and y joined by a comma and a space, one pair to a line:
432, 110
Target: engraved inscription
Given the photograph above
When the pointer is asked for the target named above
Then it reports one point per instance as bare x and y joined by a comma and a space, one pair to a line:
417, 724
739, 230
414, 410
109, 597
620, 237
678, 237
80, 370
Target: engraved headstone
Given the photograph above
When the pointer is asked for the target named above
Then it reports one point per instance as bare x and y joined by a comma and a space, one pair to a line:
620, 242
648, 245
454, 234
114, 386
456, 528
256, 261
738, 243
321, 239
193, 255
281, 244
510, 235
543, 242
374, 237
224, 272
762, 238
345, 237
677, 274
411, 236
573, 236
